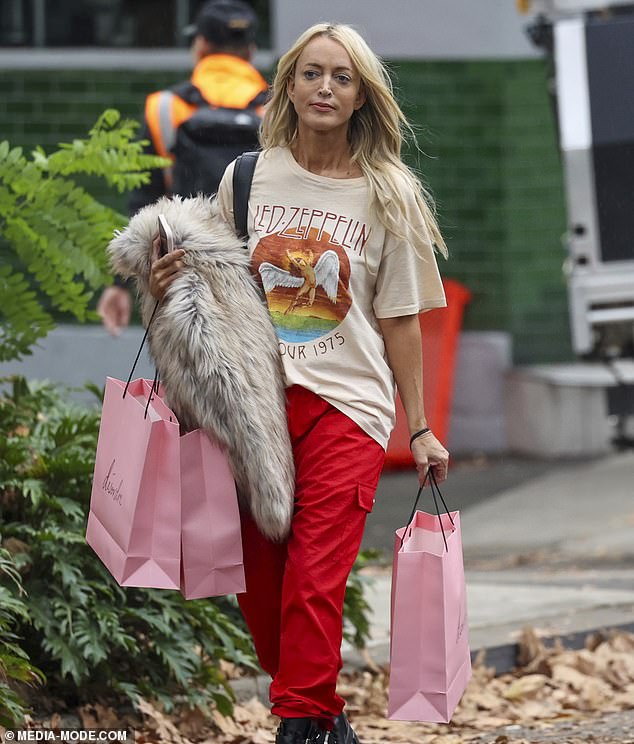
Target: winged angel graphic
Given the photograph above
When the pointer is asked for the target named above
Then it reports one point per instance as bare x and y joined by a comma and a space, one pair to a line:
325, 273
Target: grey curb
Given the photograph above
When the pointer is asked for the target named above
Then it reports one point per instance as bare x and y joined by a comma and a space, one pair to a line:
502, 658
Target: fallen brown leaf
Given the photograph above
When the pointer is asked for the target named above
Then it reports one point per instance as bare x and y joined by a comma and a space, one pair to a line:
160, 724
525, 686
98, 716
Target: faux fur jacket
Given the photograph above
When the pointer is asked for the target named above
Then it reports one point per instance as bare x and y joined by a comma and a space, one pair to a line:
216, 350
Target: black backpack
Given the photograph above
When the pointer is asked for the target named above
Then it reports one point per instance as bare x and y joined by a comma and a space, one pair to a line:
205, 144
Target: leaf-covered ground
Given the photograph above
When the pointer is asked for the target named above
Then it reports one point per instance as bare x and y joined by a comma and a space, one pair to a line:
557, 695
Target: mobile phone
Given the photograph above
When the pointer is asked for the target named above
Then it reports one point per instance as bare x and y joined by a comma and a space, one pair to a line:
166, 236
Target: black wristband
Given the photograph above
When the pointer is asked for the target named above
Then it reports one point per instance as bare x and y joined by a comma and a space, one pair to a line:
418, 434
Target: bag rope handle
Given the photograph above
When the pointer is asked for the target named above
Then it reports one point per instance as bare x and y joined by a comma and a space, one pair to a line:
147, 330
153, 392
155, 383
429, 475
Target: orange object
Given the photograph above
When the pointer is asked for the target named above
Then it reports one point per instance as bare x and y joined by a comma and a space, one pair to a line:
440, 329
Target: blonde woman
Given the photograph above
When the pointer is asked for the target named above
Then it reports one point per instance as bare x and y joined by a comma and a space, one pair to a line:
341, 237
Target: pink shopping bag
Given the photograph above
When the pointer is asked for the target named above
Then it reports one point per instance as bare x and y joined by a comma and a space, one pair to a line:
211, 538
135, 507
430, 661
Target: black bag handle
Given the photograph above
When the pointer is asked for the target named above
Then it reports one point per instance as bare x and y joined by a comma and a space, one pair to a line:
156, 381
153, 392
242, 178
429, 475
147, 330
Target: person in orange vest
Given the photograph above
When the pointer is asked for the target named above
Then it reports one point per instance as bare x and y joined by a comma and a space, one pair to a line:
201, 124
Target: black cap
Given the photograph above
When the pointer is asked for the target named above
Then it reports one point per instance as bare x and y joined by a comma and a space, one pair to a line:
225, 22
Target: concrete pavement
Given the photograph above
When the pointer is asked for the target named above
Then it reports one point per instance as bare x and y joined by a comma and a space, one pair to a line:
554, 551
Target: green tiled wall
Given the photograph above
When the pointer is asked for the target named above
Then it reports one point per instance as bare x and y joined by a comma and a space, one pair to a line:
490, 156
493, 165
40, 107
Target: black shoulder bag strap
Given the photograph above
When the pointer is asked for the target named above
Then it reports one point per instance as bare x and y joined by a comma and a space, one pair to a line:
242, 177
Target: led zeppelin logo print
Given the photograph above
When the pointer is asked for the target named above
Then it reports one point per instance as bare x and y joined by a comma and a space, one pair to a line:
303, 266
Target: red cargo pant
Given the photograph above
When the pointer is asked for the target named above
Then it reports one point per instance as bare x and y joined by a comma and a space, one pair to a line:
295, 591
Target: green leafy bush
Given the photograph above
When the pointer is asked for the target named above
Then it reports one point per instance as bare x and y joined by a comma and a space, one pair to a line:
54, 231
90, 637
15, 666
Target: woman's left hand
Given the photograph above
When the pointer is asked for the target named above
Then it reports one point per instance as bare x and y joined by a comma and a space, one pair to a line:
163, 271
428, 452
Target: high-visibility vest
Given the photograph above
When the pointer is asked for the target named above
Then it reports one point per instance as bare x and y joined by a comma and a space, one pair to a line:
223, 80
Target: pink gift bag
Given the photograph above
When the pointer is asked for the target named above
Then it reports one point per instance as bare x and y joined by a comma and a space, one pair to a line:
430, 661
135, 507
211, 538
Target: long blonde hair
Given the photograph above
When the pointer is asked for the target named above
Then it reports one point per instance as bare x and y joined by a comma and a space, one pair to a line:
376, 131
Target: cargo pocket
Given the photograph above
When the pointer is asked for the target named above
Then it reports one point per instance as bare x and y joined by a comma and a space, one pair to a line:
365, 497
361, 505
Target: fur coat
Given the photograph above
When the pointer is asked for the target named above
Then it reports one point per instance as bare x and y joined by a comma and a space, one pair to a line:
216, 350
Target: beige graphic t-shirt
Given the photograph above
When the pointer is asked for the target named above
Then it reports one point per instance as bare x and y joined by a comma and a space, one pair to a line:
329, 269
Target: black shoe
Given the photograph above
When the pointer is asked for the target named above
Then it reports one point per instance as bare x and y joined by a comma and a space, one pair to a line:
299, 731
342, 733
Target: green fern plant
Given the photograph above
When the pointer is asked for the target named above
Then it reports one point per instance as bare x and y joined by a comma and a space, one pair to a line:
55, 232
90, 637
15, 666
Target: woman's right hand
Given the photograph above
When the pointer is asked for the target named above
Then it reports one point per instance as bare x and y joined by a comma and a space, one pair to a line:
164, 270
